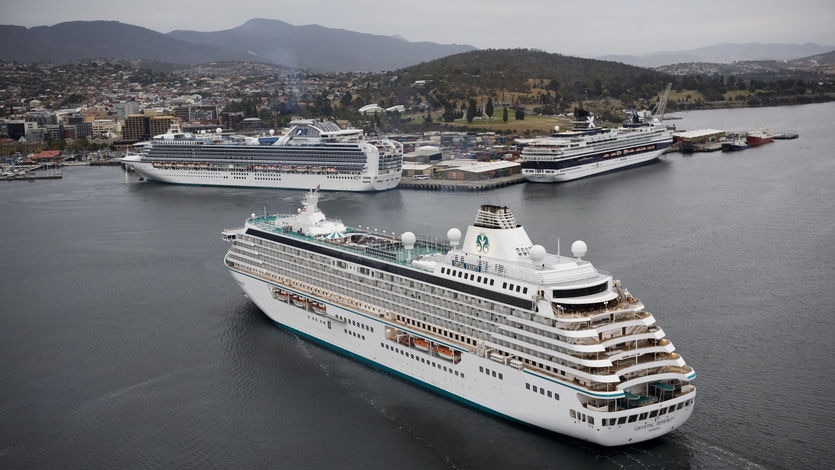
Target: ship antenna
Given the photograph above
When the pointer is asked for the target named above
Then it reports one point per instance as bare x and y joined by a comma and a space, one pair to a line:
558, 249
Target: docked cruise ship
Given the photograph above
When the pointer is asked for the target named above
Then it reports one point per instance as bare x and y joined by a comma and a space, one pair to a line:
489, 319
589, 150
310, 154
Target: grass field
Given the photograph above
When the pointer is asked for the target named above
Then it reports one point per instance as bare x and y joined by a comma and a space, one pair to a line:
531, 125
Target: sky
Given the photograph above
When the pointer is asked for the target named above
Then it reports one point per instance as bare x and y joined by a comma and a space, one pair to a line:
578, 28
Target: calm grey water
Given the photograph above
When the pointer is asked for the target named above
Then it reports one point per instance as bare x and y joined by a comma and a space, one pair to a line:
125, 343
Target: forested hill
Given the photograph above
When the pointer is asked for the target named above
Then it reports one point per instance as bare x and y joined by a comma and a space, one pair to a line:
520, 70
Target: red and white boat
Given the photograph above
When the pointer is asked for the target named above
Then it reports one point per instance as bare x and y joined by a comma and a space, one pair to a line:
759, 138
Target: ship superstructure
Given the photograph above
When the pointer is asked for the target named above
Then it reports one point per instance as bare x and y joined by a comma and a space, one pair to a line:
486, 317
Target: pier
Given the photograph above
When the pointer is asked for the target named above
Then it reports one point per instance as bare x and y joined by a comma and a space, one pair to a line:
460, 185
38, 172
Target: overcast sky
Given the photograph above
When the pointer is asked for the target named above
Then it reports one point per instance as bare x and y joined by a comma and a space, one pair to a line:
579, 28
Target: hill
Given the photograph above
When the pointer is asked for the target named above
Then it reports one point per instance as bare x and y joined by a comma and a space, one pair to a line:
531, 78
78, 40
724, 53
309, 47
320, 49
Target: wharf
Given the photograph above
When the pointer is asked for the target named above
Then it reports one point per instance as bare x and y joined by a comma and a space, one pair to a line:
460, 185
29, 177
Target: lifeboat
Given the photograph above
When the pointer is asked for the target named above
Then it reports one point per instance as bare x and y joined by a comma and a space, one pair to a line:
298, 301
446, 353
421, 344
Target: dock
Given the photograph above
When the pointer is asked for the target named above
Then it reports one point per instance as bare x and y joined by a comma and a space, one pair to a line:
460, 185
31, 177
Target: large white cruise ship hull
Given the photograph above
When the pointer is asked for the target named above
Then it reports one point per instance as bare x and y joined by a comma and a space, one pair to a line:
498, 324
471, 380
590, 169
264, 179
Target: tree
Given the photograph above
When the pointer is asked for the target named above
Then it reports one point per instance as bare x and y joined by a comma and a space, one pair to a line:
471, 110
488, 108
346, 99
449, 113
504, 114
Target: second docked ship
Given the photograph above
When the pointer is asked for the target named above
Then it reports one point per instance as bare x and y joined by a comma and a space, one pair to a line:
588, 150
311, 154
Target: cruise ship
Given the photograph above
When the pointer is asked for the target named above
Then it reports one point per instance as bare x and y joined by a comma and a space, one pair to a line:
312, 153
588, 150
488, 318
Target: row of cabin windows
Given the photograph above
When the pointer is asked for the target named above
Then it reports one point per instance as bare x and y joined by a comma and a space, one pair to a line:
631, 418
642, 416
483, 279
542, 391
360, 325
468, 275
498, 375
354, 334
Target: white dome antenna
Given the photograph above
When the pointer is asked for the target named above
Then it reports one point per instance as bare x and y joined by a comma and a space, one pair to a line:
408, 239
537, 254
454, 236
578, 249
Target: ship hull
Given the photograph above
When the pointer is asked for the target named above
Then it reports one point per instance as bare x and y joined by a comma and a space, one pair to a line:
760, 139
569, 173
263, 179
470, 379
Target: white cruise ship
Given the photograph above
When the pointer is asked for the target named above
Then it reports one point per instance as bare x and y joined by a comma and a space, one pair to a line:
489, 319
310, 154
590, 150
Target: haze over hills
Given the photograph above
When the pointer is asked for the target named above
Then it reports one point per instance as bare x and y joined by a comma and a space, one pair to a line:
723, 54
310, 47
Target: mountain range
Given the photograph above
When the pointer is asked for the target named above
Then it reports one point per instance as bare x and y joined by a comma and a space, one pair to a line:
723, 54
308, 47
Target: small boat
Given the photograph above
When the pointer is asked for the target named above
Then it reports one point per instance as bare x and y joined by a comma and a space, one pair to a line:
734, 145
785, 135
446, 353
421, 344
759, 137
281, 294
299, 301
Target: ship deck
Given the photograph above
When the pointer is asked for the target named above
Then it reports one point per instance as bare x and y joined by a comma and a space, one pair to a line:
355, 240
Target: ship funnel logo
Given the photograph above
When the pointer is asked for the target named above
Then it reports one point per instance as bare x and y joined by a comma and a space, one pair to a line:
482, 243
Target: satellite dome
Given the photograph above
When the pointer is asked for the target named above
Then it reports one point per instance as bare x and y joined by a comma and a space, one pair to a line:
537, 253
408, 239
579, 248
454, 236
218, 130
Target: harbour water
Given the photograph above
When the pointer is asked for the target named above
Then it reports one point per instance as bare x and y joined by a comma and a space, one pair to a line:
126, 344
